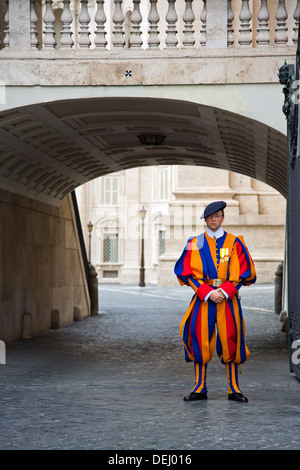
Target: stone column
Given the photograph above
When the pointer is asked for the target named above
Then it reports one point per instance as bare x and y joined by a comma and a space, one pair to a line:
19, 25
93, 289
216, 24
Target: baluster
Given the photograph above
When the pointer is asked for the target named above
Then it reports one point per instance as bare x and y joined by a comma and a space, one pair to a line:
49, 20
136, 19
84, 20
118, 20
296, 17
100, 20
66, 40
281, 36
33, 21
203, 21
171, 18
6, 29
263, 37
188, 18
230, 17
153, 20
245, 17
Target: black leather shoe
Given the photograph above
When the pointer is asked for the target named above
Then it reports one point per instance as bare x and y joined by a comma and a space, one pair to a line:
195, 396
237, 397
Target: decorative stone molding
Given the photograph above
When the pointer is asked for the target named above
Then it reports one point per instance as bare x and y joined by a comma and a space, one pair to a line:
94, 27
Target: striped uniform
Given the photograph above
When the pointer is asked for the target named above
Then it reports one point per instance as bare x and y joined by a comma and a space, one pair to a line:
203, 260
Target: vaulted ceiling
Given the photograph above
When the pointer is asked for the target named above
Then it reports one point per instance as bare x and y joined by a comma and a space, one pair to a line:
49, 149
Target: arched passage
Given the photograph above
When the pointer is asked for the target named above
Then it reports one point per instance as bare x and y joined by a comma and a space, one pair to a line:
48, 149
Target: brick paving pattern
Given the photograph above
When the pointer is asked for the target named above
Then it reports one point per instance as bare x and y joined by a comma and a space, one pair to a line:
116, 381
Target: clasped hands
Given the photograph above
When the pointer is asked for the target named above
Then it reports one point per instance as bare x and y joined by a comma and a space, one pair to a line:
217, 296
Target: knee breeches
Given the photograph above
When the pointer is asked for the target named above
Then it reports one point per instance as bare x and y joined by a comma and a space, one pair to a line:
229, 341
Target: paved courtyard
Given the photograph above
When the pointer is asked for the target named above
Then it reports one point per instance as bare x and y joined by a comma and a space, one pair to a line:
116, 381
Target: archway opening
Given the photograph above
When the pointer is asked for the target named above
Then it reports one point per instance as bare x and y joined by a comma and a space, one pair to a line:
49, 149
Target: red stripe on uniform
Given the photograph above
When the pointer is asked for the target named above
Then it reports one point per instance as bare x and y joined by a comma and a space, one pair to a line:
231, 332
244, 266
187, 262
203, 290
198, 329
229, 289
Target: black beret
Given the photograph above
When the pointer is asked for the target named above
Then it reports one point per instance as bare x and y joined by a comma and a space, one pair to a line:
212, 208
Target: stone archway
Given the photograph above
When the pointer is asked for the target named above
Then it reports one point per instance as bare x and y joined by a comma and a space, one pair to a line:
48, 149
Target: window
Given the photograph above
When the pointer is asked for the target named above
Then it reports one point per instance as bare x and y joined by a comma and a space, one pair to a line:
162, 242
163, 183
111, 190
110, 248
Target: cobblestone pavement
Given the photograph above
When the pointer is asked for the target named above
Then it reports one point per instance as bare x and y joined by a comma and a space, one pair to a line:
116, 381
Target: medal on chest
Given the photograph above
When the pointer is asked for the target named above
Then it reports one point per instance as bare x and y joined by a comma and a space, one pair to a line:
224, 254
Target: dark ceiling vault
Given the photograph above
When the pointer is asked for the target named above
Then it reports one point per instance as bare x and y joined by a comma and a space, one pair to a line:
48, 149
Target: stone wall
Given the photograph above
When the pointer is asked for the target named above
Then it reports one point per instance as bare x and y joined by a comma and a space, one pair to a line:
42, 278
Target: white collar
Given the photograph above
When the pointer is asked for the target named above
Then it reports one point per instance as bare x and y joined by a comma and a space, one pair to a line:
219, 233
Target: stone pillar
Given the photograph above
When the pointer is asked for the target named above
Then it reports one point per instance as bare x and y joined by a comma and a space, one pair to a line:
77, 313
278, 289
93, 289
19, 25
216, 24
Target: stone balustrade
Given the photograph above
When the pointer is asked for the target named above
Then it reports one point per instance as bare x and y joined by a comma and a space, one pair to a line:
147, 24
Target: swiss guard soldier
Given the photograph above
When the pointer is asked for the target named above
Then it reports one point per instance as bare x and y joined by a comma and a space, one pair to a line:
215, 264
